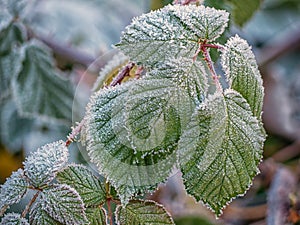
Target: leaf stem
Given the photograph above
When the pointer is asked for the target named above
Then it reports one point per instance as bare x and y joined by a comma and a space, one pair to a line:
75, 131
28, 206
122, 74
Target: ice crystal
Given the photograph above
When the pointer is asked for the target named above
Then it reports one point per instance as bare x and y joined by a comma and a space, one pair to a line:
41, 166
171, 32
142, 212
242, 72
12, 190
38, 216
85, 183
13, 219
64, 204
221, 150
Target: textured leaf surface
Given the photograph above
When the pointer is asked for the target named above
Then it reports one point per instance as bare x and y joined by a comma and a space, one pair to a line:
142, 212
52, 96
38, 216
63, 204
170, 32
189, 75
15, 7
242, 72
13, 219
85, 183
12, 190
96, 216
220, 150
5, 18
133, 158
42, 166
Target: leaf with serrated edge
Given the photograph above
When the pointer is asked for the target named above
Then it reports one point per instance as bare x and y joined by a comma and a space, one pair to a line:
38, 216
42, 166
171, 32
64, 204
13, 190
242, 72
96, 216
45, 101
88, 186
142, 212
130, 167
189, 75
220, 150
13, 219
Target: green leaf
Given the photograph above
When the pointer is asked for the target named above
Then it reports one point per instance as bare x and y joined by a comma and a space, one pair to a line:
5, 18
38, 89
13, 219
171, 32
243, 10
189, 75
85, 183
11, 37
42, 166
142, 212
38, 216
13, 190
64, 204
220, 150
96, 216
242, 73
132, 133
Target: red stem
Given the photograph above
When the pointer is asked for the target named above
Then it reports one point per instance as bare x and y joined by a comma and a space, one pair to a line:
26, 210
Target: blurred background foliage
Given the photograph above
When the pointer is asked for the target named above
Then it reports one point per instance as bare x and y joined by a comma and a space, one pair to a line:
51, 52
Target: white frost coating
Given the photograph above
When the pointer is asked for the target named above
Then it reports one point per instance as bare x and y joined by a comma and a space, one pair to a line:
111, 68
13, 219
241, 70
5, 18
171, 32
41, 166
13, 189
64, 204
221, 150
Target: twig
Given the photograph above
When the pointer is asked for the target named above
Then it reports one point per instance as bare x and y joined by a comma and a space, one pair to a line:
26, 210
75, 131
278, 203
288, 152
122, 74
245, 213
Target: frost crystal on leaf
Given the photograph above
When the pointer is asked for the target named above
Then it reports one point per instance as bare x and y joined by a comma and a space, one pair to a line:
12, 190
63, 204
242, 72
13, 219
171, 32
220, 150
96, 216
39, 72
89, 187
142, 212
41, 166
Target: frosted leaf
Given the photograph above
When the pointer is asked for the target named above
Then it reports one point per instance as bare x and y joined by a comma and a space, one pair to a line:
12, 190
171, 32
188, 74
110, 70
64, 204
5, 18
142, 212
242, 73
220, 150
11, 37
13, 219
45, 100
89, 187
15, 7
132, 167
96, 216
42, 166
38, 216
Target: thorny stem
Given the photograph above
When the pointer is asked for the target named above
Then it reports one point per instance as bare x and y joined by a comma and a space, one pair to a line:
185, 2
26, 210
75, 131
